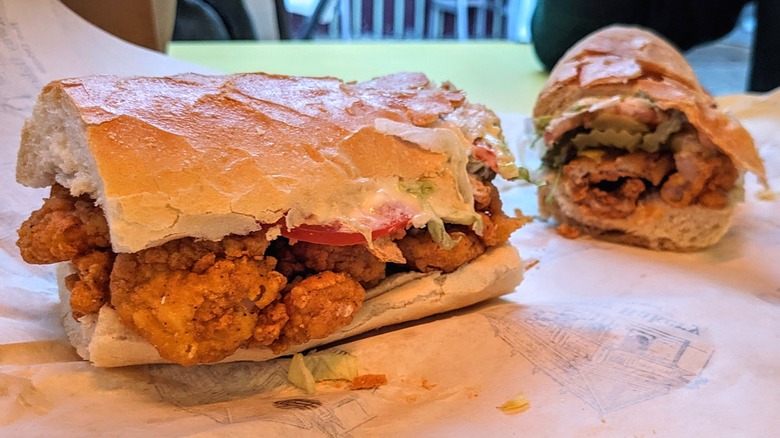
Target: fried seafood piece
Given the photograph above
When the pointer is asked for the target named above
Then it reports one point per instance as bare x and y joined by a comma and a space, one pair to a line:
353, 260
497, 225
423, 254
64, 227
701, 178
269, 326
196, 302
612, 186
88, 286
318, 306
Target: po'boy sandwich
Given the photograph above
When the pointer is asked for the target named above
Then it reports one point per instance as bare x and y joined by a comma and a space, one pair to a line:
636, 150
199, 219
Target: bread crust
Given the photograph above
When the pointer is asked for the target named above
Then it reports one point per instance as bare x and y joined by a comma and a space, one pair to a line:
653, 225
207, 156
620, 60
103, 340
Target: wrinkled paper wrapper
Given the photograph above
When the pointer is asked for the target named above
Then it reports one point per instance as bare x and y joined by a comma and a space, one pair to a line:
599, 340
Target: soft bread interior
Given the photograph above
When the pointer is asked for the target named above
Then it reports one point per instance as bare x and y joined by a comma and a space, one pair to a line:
54, 148
104, 341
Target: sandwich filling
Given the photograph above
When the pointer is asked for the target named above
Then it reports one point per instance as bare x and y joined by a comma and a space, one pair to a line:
198, 300
609, 155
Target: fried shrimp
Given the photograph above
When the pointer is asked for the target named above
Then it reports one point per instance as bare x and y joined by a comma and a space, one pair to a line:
196, 302
497, 225
88, 286
64, 227
355, 260
317, 306
424, 254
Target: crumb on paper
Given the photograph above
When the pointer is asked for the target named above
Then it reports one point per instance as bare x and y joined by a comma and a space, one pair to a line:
519, 215
530, 263
515, 405
567, 231
368, 381
766, 195
425, 384
472, 392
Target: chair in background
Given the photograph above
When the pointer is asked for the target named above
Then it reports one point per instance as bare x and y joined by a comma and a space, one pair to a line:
439, 9
347, 19
355, 19
510, 18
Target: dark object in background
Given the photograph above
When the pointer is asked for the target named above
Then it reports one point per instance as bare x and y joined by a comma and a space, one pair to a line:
212, 20
220, 20
559, 24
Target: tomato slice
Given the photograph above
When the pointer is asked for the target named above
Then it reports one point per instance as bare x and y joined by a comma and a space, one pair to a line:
482, 152
386, 219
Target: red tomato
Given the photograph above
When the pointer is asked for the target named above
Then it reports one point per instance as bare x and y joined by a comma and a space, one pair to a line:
388, 220
483, 153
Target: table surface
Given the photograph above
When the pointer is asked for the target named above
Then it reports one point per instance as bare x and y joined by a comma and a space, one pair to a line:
505, 76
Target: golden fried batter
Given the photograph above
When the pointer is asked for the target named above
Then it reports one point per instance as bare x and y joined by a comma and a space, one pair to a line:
497, 225
88, 286
368, 381
354, 260
196, 302
269, 324
425, 255
64, 227
317, 306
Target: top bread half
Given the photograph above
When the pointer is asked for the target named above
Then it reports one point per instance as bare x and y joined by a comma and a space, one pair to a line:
620, 60
208, 156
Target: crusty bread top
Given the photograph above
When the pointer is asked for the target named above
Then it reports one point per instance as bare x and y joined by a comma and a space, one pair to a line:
619, 60
207, 156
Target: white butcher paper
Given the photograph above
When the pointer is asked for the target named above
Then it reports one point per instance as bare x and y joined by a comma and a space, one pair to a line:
601, 339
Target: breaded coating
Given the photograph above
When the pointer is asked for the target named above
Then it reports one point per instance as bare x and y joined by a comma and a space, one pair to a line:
269, 324
64, 227
368, 381
196, 302
88, 286
422, 253
355, 260
317, 306
497, 225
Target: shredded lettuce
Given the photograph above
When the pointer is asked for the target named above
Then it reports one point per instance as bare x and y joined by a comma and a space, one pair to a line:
541, 122
337, 365
300, 375
305, 371
439, 234
419, 188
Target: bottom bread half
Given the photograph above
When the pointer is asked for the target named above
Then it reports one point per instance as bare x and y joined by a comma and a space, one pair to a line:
106, 342
654, 224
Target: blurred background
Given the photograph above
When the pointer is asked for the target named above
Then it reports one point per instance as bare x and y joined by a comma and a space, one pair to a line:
722, 65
